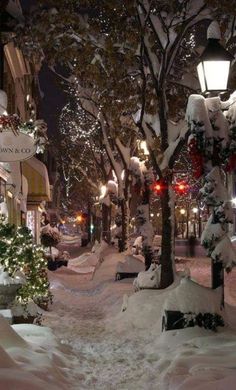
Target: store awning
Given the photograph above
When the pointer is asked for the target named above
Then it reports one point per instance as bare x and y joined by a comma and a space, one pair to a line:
38, 183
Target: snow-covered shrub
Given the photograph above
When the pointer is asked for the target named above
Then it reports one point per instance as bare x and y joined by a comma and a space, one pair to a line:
50, 236
148, 279
209, 321
195, 305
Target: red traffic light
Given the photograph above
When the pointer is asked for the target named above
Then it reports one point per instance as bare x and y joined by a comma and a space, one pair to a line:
181, 187
158, 187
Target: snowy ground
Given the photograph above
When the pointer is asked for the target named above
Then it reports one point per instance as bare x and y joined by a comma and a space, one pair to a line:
118, 352
99, 347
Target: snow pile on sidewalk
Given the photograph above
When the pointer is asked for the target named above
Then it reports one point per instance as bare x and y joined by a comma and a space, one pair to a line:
144, 309
128, 351
190, 296
89, 261
25, 360
66, 239
190, 358
148, 279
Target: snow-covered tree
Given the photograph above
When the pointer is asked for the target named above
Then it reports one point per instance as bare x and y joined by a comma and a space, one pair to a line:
19, 254
213, 136
135, 56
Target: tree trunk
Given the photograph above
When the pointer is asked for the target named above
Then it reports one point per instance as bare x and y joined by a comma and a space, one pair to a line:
88, 222
167, 246
147, 242
106, 223
125, 216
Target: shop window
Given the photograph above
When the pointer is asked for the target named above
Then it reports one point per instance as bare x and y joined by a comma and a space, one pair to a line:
30, 221
2, 189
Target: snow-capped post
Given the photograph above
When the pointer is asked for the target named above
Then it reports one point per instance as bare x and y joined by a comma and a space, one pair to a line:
211, 142
105, 201
143, 176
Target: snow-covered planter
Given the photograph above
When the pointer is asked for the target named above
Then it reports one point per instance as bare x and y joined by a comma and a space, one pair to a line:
52, 253
191, 304
148, 279
8, 288
8, 294
50, 236
28, 313
88, 262
130, 267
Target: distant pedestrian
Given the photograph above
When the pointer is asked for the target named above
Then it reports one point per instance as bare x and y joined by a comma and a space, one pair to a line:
191, 245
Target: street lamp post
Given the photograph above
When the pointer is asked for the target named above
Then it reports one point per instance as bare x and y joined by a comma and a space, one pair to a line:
182, 212
213, 68
213, 72
195, 210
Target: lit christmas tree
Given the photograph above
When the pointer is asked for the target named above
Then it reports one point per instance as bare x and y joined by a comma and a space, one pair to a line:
19, 253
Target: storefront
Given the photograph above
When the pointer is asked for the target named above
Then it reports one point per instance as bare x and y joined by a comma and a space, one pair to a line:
38, 193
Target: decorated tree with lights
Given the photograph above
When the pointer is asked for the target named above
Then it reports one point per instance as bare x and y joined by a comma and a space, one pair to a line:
110, 109
93, 134
81, 144
135, 56
19, 253
213, 133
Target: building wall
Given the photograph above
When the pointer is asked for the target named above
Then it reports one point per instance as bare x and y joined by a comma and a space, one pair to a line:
19, 83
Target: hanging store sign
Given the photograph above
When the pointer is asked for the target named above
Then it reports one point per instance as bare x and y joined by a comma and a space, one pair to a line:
16, 147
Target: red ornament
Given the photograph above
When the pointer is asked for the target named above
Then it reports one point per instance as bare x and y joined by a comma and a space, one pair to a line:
9, 122
231, 163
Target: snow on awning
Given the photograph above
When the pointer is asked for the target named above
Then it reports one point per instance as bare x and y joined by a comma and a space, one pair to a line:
38, 183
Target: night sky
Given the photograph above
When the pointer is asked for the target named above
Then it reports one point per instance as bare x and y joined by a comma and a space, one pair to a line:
52, 101
52, 97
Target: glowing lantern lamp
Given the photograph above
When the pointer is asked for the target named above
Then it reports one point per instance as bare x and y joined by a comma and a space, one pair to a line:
214, 66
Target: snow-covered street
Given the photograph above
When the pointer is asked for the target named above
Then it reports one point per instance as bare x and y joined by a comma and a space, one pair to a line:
99, 334
117, 195
107, 353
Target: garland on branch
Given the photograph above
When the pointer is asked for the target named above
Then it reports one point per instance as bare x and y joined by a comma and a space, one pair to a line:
36, 129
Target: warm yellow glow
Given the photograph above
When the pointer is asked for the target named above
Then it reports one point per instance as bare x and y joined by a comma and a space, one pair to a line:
79, 218
103, 191
9, 194
195, 210
143, 147
182, 211
201, 77
216, 75
234, 202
